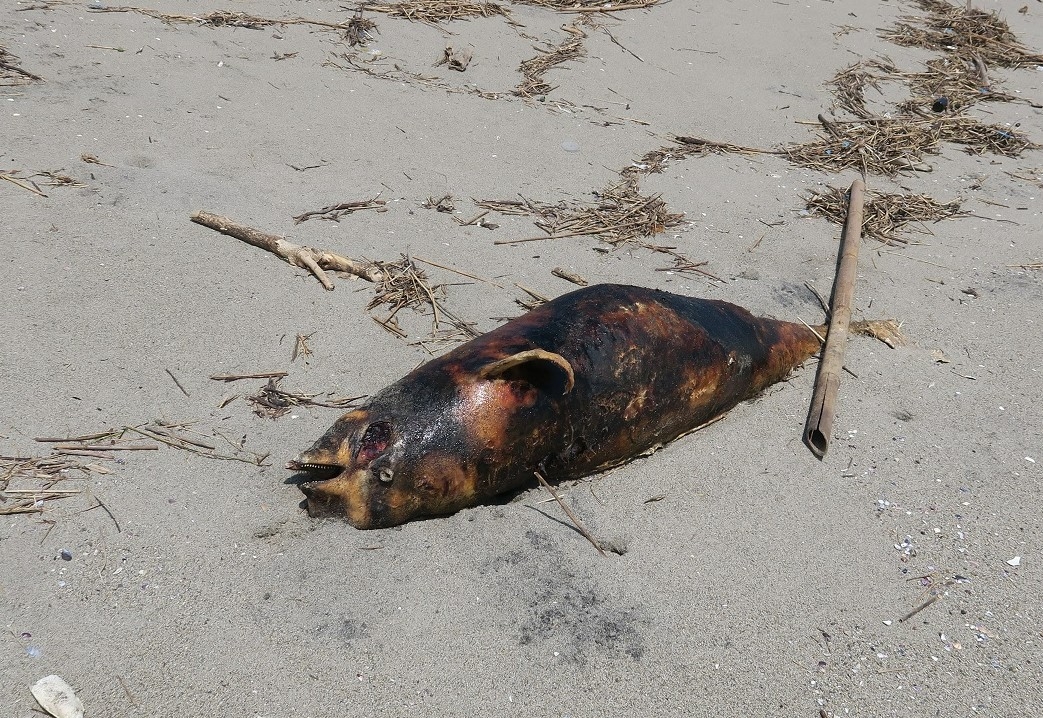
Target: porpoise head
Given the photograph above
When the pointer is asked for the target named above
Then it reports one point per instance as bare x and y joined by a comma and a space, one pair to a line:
424, 446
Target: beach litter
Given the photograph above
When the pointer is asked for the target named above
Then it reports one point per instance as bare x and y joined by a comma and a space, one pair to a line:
57, 697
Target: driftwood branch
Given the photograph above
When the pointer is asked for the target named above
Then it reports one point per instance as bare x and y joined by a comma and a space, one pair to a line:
819, 426
314, 260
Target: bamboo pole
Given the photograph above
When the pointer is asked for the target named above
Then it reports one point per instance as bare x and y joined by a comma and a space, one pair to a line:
819, 427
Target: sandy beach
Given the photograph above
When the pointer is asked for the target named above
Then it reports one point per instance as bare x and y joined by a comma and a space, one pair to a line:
749, 578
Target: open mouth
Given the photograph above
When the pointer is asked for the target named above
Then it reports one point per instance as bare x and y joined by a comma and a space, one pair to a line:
316, 473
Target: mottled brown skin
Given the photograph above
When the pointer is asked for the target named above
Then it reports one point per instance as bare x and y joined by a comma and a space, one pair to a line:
648, 367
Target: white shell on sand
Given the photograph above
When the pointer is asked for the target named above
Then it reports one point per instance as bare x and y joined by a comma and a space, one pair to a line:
57, 697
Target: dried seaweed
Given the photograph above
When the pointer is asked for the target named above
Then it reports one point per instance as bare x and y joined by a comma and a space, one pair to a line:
884, 214
887, 331
533, 70
442, 204
406, 286
621, 216
963, 31
12, 73
272, 401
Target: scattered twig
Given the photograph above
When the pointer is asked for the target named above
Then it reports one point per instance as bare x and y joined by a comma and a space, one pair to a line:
109, 512
237, 377
301, 348
404, 285
919, 608
436, 11
93, 160
569, 276
178, 383
336, 211
575, 519
28, 185
11, 73
272, 401
456, 271
534, 69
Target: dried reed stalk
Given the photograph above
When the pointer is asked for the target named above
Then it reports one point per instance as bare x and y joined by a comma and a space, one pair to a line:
819, 427
38, 479
12, 73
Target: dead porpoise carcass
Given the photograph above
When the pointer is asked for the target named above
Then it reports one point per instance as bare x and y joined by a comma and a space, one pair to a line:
580, 384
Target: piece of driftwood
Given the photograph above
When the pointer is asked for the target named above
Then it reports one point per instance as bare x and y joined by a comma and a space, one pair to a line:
569, 276
314, 260
819, 426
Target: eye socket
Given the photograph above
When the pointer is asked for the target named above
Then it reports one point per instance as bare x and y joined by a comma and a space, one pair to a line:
374, 442
386, 474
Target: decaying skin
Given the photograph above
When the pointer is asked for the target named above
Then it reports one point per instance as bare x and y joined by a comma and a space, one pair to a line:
583, 383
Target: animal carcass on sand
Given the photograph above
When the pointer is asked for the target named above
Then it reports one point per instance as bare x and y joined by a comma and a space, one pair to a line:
585, 382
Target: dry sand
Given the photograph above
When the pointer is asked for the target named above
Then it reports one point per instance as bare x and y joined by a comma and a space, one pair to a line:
763, 583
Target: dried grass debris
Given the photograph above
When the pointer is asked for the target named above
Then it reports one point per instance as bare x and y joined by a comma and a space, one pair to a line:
335, 211
28, 482
436, 11
359, 30
12, 73
890, 145
655, 161
622, 214
404, 285
963, 31
590, 6
352, 62
534, 69
225, 18
272, 401
885, 214
961, 83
